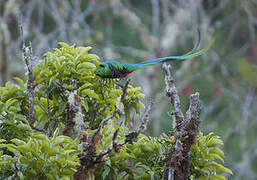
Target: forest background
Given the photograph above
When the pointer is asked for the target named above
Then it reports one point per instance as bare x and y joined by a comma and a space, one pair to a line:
136, 30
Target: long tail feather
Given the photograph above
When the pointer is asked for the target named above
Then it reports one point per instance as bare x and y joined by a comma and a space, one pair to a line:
193, 53
196, 45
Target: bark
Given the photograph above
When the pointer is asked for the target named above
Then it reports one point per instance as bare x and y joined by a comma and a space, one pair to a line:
186, 131
28, 58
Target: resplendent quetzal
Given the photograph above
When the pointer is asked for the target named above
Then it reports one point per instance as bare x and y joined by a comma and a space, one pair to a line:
115, 69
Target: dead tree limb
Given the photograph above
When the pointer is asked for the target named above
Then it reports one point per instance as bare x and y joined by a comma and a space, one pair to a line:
171, 91
27, 55
186, 131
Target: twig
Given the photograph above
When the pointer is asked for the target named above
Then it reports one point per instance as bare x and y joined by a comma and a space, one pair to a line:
40, 130
60, 86
171, 91
28, 58
131, 136
115, 146
145, 119
129, 139
103, 122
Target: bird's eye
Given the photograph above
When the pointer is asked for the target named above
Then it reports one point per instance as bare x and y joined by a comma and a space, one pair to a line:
101, 65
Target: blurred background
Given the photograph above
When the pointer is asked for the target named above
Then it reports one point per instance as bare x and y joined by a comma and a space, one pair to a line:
136, 30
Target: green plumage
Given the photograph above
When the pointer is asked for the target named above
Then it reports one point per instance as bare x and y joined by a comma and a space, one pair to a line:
115, 69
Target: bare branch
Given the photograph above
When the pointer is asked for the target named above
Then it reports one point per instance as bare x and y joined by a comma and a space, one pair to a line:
171, 91
175, 160
178, 161
27, 55
170, 174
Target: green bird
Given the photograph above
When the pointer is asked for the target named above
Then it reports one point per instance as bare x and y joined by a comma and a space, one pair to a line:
115, 69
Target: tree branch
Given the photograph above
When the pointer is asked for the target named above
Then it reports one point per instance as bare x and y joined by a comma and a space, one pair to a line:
171, 91
186, 131
27, 55
131, 136
75, 116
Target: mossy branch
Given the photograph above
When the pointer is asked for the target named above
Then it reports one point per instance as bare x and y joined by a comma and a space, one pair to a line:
75, 116
27, 55
186, 131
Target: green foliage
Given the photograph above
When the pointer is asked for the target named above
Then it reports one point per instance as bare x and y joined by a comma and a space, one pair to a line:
204, 156
30, 155
75, 63
13, 110
132, 100
7, 164
143, 159
41, 157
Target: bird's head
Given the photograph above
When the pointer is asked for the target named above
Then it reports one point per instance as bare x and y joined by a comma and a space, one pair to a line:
105, 69
102, 71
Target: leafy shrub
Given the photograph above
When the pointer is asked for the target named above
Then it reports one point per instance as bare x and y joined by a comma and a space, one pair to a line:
29, 155
41, 157
52, 111
204, 155
13, 112
145, 158
75, 63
